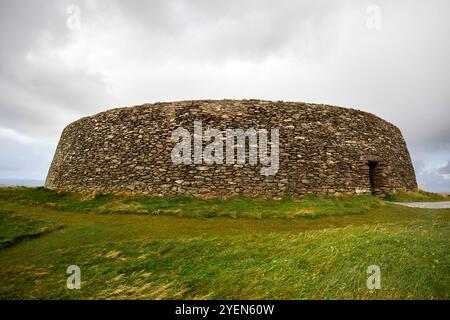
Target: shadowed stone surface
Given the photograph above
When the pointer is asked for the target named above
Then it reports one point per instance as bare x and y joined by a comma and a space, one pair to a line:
323, 150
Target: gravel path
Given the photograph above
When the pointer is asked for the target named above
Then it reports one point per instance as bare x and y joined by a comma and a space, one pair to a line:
425, 205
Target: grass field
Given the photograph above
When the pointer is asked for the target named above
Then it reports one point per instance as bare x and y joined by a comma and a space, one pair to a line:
236, 248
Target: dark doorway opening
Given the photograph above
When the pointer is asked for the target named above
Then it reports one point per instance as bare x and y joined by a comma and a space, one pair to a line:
374, 177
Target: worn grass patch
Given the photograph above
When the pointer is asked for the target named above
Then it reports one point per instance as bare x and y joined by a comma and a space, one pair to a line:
15, 228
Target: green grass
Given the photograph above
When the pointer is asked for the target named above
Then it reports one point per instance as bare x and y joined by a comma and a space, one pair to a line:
16, 227
239, 248
234, 207
417, 196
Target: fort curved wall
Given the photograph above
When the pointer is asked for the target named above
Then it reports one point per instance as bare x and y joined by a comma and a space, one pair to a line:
322, 149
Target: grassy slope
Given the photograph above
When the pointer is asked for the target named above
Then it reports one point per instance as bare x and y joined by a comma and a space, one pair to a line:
235, 207
187, 248
417, 196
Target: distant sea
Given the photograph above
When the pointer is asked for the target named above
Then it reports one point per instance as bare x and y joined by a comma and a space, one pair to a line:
21, 182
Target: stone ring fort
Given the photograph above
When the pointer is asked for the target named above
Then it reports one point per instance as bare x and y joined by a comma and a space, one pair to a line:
321, 149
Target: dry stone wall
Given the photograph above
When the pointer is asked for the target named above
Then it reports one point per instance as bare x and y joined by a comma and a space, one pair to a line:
322, 149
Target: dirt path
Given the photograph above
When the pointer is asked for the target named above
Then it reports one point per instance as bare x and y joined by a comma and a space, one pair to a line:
425, 205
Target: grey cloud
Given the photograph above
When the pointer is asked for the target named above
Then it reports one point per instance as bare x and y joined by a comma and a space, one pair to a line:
445, 169
432, 181
35, 98
24, 161
208, 30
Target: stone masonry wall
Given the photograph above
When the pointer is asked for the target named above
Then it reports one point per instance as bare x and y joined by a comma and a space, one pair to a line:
323, 150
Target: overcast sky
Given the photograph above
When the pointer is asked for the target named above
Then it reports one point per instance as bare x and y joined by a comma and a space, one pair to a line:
61, 60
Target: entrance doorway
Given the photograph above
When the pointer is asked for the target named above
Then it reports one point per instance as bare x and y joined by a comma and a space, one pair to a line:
374, 177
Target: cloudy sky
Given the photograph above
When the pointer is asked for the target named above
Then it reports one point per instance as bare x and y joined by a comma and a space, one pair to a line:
61, 60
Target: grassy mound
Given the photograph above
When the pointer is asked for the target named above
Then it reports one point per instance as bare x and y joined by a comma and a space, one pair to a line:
234, 207
416, 196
